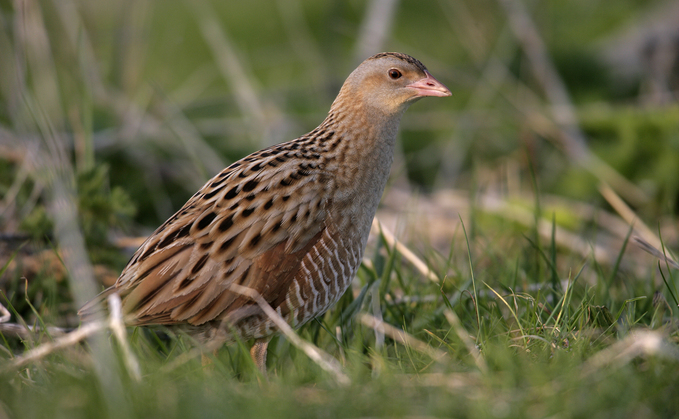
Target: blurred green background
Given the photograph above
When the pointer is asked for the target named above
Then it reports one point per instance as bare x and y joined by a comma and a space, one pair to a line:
165, 94
128, 107
113, 113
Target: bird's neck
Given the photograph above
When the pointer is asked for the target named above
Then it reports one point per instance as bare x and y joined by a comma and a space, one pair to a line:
361, 162
368, 130
368, 139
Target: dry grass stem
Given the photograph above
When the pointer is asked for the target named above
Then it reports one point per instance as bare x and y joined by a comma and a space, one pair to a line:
320, 357
628, 215
377, 312
643, 244
115, 323
468, 342
28, 332
638, 343
65, 341
402, 337
118, 328
403, 250
5, 314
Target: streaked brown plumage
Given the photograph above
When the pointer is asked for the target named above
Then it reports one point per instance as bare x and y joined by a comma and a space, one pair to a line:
290, 221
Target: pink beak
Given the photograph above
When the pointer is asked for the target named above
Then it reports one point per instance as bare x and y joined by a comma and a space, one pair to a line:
429, 86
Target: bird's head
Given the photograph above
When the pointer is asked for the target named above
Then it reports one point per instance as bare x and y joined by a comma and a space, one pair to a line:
390, 82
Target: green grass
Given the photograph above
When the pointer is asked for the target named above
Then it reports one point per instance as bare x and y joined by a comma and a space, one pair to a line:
543, 352
113, 114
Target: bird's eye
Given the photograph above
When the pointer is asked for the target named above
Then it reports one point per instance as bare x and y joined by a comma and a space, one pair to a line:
394, 74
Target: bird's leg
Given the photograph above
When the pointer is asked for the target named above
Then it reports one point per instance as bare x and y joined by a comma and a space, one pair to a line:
258, 354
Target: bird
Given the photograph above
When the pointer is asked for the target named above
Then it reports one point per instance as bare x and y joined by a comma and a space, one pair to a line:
289, 222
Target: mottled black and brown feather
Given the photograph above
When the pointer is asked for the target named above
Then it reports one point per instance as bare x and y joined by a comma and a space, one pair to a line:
290, 221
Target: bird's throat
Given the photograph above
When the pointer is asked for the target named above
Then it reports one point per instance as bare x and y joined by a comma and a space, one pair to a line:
361, 166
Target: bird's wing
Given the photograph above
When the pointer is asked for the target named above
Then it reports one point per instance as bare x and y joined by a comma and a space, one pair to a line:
250, 225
